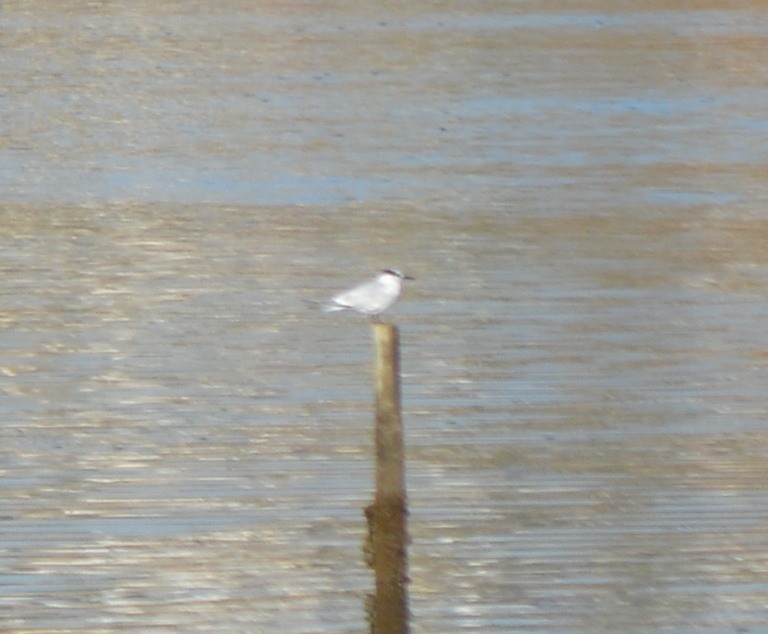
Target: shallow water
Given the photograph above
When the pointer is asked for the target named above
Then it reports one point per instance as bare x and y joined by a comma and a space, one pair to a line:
579, 190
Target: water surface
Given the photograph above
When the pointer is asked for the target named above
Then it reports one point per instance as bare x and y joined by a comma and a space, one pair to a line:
579, 189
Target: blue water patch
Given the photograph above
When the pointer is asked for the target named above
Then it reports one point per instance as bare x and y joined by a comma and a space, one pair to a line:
669, 197
159, 184
224, 187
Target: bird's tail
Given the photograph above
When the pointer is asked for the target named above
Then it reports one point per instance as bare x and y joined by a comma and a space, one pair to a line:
324, 306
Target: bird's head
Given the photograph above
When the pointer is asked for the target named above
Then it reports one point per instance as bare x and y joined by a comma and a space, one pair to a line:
396, 273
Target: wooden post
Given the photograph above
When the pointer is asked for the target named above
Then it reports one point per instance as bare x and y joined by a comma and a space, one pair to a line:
388, 539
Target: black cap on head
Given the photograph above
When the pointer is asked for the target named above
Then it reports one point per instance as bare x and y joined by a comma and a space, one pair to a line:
397, 273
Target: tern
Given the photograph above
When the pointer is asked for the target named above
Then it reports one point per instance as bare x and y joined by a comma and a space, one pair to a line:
372, 297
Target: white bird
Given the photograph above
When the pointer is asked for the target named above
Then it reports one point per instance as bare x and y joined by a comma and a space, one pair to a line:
372, 297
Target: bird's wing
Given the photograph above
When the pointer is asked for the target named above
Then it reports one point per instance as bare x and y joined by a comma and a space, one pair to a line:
359, 296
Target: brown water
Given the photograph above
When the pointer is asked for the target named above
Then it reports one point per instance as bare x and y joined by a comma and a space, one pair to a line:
580, 189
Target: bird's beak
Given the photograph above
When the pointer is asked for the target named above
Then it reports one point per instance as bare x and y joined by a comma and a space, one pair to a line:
408, 277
